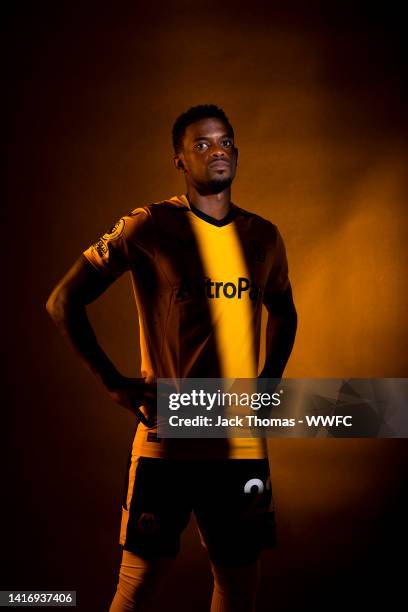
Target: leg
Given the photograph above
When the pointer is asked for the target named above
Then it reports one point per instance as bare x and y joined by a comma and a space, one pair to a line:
235, 587
235, 523
139, 580
152, 520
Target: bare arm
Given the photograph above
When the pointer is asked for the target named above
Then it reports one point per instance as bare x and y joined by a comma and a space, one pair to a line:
280, 334
66, 305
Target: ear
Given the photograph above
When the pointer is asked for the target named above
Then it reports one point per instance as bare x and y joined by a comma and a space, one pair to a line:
178, 162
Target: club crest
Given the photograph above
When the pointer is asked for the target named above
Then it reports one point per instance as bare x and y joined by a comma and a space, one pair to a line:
115, 231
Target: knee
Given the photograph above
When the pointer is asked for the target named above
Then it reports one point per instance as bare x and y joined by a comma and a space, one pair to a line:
138, 579
236, 582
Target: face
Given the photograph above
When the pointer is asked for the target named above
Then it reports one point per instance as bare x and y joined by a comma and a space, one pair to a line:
209, 157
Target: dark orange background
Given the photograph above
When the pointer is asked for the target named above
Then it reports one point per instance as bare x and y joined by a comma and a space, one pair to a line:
316, 97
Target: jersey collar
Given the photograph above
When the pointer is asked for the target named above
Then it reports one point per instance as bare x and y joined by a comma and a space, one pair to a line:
232, 213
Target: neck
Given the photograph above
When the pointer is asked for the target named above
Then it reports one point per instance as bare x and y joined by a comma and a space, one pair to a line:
215, 205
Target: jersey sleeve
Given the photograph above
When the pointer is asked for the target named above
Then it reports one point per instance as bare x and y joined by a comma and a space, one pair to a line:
277, 285
120, 248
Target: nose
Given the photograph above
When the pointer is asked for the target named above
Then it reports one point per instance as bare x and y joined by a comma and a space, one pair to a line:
217, 152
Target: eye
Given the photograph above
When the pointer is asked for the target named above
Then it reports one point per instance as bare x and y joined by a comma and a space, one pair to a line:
227, 142
201, 146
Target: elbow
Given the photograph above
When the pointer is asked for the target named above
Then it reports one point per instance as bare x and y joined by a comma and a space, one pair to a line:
294, 316
288, 315
293, 319
289, 321
56, 304
50, 304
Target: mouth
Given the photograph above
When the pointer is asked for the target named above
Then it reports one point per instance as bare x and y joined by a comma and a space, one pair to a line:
219, 165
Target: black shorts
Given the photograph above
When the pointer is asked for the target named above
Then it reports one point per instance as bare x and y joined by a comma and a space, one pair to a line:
231, 498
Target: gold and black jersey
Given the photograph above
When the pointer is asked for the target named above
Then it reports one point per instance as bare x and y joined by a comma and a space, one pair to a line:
199, 285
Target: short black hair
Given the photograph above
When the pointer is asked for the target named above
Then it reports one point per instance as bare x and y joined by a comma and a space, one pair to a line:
193, 114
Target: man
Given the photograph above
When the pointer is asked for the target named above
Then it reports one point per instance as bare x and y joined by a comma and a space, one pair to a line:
201, 269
